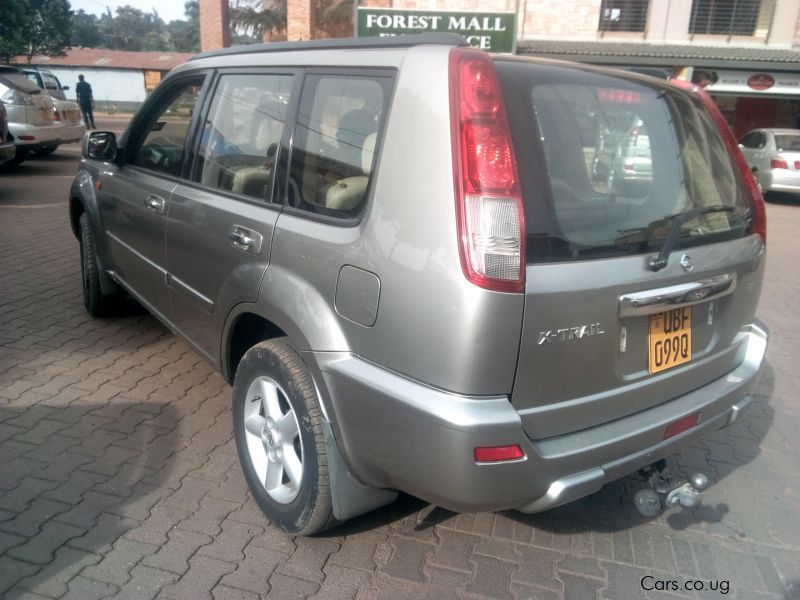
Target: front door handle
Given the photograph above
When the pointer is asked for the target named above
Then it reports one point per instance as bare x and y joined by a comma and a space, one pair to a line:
245, 239
155, 204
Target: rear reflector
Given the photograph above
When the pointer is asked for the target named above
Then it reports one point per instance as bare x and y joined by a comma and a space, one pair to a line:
491, 227
27, 138
498, 453
778, 163
681, 425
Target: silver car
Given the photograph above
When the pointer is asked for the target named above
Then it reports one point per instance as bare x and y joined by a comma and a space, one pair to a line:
7, 148
30, 114
394, 250
773, 155
66, 113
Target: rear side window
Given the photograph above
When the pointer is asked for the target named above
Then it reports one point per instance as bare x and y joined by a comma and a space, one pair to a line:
333, 152
242, 133
788, 142
621, 158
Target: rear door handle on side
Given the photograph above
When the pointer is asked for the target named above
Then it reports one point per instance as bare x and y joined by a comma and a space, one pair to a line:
155, 203
245, 239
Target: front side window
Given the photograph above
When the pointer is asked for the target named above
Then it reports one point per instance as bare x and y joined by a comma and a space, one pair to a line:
242, 133
336, 135
622, 158
623, 15
163, 146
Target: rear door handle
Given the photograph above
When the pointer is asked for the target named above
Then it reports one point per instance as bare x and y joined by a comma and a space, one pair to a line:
245, 239
155, 203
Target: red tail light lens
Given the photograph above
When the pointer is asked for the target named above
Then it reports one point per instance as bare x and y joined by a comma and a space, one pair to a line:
797, 164
778, 162
758, 213
491, 226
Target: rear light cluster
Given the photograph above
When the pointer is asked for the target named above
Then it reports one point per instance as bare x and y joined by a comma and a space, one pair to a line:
491, 226
56, 116
778, 162
758, 213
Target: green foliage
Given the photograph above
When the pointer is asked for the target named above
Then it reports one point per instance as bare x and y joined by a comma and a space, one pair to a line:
257, 18
29, 27
85, 30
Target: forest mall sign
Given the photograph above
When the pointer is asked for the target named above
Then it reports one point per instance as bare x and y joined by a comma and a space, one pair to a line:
495, 32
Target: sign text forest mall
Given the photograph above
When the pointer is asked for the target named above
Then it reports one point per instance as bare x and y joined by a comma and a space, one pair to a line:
492, 31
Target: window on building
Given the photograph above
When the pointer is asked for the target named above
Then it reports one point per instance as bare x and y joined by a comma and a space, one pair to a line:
623, 15
731, 17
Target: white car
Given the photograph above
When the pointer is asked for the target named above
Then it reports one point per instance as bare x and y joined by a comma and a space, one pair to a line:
774, 157
30, 114
66, 113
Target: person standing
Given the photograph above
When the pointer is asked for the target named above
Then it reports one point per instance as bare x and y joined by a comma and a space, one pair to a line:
85, 99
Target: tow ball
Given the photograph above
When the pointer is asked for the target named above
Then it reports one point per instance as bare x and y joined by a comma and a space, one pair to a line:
666, 490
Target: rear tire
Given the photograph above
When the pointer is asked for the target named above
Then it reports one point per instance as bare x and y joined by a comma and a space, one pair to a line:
277, 422
96, 302
46, 150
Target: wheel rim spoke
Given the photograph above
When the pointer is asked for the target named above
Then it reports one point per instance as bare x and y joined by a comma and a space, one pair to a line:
255, 425
269, 400
292, 465
287, 425
274, 477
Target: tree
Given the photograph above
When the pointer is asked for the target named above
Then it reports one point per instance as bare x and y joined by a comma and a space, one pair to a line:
12, 26
258, 17
133, 29
85, 31
29, 27
184, 36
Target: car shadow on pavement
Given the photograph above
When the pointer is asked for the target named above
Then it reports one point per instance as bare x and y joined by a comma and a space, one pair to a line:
76, 476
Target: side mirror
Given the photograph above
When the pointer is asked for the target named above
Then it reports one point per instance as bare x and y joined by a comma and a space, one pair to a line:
741, 145
65, 88
100, 145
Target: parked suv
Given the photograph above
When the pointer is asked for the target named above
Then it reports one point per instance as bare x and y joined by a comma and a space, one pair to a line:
394, 250
66, 113
30, 114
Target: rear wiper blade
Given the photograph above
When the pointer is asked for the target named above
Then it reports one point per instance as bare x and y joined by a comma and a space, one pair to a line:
656, 263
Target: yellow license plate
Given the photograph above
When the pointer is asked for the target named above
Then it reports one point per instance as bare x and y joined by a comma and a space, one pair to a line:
670, 339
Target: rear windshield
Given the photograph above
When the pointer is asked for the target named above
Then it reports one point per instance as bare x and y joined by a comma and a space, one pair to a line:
18, 81
787, 142
606, 162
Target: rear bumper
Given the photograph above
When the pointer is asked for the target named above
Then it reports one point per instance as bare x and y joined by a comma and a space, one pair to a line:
72, 133
397, 433
41, 134
781, 180
7, 152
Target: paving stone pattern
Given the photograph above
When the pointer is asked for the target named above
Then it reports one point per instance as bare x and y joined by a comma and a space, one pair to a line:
118, 475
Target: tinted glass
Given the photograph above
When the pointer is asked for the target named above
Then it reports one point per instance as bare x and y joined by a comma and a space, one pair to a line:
242, 133
749, 140
164, 143
335, 140
621, 158
788, 142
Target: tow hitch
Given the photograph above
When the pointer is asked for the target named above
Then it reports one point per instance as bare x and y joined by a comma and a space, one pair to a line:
666, 491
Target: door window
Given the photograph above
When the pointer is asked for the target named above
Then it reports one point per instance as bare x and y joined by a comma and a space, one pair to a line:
336, 135
242, 133
163, 145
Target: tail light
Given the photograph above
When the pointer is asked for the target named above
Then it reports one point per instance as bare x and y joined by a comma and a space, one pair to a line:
758, 212
778, 162
56, 116
797, 165
491, 226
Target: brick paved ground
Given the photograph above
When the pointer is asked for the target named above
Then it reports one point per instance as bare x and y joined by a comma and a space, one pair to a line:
118, 476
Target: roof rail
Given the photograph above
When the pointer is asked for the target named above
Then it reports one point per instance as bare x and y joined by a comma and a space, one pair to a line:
398, 41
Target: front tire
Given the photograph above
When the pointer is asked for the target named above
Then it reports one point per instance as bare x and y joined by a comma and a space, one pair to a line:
277, 422
96, 302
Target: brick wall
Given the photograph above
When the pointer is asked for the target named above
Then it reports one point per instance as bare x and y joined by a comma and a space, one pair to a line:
214, 28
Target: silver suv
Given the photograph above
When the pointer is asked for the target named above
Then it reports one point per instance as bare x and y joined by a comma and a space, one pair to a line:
396, 252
